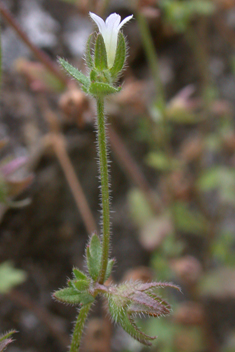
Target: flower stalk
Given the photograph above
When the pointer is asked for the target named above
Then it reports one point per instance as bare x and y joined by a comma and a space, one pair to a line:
104, 179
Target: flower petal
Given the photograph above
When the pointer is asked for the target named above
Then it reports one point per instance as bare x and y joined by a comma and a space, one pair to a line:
128, 18
113, 21
99, 21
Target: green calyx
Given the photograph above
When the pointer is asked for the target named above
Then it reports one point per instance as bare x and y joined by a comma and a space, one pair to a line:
101, 79
120, 57
100, 56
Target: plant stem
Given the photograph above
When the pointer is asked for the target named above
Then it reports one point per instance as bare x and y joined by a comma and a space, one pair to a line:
104, 179
78, 329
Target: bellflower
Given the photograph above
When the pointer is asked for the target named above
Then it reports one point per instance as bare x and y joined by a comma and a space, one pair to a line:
109, 30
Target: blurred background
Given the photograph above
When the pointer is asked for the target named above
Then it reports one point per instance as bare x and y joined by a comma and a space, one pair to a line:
172, 149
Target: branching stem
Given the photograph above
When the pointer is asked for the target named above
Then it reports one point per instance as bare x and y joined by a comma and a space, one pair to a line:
104, 180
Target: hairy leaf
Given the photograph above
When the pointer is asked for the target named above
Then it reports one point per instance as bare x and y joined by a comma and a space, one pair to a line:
109, 268
93, 255
71, 296
79, 275
75, 73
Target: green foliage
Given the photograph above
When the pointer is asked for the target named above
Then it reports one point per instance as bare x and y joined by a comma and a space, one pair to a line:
94, 256
110, 265
180, 13
189, 220
100, 56
75, 73
79, 275
129, 300
88, 57
120, 57
10, 277
6, 339
73, 296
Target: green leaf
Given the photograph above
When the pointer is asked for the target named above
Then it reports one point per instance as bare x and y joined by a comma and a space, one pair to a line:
102, 89
79, 275
94, 255
93, 75
75, 73
120, 57
80, 285
10, 277
100, 54
71, 296
109, 268
7, 335
95, 247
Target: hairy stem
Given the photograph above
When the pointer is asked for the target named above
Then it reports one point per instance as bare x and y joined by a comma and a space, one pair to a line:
104, 180
78, 329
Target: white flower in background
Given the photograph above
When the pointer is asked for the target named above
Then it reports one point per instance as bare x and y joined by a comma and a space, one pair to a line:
109, 31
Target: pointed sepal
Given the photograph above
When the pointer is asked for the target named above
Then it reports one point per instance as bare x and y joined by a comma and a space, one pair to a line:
120, 57
88, 57
75, 73
102, 89
100, 54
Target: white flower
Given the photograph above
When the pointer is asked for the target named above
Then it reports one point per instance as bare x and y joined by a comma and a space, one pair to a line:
109, 31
